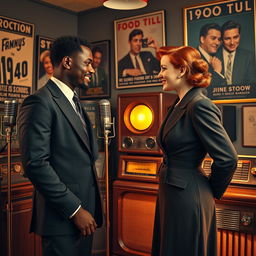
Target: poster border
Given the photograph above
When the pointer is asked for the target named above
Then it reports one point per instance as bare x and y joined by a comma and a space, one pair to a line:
108, 93
32, 88
185, 41
244, 133
162, 12
38, 56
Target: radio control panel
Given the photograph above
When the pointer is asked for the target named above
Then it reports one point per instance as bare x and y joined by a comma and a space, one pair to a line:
245, 172
140, 143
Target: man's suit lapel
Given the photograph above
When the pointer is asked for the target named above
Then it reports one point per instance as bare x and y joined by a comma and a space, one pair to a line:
236, 67
69, 112
129, 63
179, 110
94, 145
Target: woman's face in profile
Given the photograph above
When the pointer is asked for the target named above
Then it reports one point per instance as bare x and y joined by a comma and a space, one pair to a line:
169, 75
48, 65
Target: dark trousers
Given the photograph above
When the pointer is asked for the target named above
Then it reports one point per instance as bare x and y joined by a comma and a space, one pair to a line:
68, 245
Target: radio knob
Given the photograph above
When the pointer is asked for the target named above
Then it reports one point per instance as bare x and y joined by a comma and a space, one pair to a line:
253, 171
246, 220
127, 142
150, 143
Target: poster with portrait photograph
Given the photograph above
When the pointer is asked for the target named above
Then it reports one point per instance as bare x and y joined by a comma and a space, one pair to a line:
16, 59
99, 85
224, 33
137, 39
44, 64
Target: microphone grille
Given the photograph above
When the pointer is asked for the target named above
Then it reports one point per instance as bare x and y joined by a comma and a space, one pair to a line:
10, 107
104, 102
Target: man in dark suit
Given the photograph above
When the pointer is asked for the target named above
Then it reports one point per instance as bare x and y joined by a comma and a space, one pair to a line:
58, 154
239, 64
138, 62
99, 78
210, 41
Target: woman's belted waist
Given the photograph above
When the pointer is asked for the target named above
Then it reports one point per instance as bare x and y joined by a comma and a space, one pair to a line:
181, 163
179, 172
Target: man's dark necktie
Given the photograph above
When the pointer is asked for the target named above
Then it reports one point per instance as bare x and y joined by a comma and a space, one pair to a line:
79, 111
137, 63
229, 69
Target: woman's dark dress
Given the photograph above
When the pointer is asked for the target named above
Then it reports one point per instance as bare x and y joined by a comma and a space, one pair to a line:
185, 221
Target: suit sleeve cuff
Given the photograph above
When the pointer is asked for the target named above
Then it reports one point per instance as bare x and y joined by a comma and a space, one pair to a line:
73, 214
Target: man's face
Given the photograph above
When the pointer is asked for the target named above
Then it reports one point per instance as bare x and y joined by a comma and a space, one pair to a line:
211, 42
48, 65
81, 68
96, 59
136, 44
231, 39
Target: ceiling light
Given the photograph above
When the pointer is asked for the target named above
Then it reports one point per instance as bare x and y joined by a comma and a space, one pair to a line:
125, 4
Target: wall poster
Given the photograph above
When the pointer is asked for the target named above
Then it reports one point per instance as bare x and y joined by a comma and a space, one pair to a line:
16, 59
224, 33
99, 86
44, 64
137, 40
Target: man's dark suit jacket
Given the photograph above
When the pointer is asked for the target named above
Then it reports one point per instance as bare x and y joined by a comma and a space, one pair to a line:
217, 79
244, 68
150, 63
59, 160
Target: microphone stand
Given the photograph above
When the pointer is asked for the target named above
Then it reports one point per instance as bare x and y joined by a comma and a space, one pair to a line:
9, 122
106, 133
9, 208
107, 219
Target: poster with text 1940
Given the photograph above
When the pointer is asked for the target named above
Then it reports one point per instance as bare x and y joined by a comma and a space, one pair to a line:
16, 58
224, 33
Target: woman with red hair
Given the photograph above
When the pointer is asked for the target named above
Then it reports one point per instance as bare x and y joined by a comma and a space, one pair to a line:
185, 219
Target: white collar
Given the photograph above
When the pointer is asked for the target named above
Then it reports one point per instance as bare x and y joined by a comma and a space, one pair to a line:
67, 91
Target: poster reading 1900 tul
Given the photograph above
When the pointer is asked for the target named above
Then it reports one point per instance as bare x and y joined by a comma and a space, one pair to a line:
16, 58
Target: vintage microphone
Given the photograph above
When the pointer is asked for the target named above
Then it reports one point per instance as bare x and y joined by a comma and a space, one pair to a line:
107, 127
9, 121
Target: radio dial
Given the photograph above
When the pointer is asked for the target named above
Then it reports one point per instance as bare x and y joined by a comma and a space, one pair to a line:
127, 142
246, 220
253, 171
150, 143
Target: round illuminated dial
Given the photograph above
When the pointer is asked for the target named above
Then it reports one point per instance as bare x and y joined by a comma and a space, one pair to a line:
141, 117
150, 143
127, 142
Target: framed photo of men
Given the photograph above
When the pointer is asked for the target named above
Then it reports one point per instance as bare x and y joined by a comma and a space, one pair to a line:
44, 64
224, 34
137, 40
99, 85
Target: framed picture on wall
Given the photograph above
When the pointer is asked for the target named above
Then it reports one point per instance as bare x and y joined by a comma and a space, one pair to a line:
16, 59
99, 86
137, 39
249, 125
44, 64
224, 34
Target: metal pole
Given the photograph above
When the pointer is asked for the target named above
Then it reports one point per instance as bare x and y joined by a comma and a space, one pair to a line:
9, 199
106, 132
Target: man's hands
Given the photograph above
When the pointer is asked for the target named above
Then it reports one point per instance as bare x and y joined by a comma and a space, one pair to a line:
84, 222
216, 64
133, 72
153, 43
